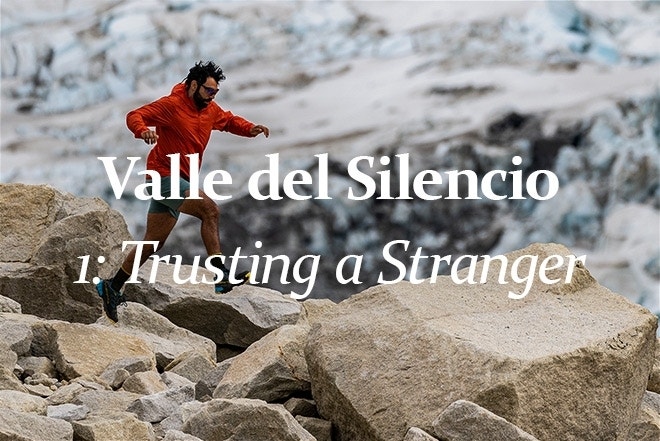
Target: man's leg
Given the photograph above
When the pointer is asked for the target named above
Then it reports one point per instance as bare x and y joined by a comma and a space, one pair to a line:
208, 212
159, 226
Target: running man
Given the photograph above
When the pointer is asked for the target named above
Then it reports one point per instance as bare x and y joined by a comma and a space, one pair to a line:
183, 122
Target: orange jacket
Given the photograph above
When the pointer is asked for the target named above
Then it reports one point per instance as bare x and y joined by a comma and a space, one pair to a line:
182, 128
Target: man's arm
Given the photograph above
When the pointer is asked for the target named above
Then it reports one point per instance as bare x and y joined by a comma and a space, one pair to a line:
238, 125
152, 114
256, 129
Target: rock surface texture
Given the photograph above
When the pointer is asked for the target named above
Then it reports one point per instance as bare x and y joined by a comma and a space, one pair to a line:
563, 347
399, 362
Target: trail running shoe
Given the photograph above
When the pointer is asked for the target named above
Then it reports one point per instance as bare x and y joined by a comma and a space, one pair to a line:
224, 286
111, 299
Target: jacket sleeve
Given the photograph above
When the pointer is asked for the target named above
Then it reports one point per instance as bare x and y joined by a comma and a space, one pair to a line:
228, 122
157, 113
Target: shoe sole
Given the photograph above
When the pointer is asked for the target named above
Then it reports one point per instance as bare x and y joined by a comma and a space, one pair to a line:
229, 286
99, 290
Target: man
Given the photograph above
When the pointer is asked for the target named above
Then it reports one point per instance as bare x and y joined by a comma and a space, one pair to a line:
183, 123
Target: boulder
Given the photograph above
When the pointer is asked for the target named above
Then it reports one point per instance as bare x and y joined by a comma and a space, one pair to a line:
17, 331
67, 412
320, 429
22, 402
176, 419
466, 421
144, 383
8, 381
393, 356
417, 434
242, 418
22, 426
106, 402
121, 369
44, 234
37, 366
191, 365
66, 394
654, 379
118, 426
301, 407
177, 435
79, 349
167, 339
204, 388
238, 318
9, 305
271, 369
156, 407
647, 425
8, 358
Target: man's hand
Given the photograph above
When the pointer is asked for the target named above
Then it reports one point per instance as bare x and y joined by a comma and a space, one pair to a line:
149, 136
259, 129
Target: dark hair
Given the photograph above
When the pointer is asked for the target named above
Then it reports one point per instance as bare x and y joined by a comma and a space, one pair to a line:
201, 71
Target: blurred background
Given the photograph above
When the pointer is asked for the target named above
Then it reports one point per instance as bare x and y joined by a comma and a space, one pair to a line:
572, 87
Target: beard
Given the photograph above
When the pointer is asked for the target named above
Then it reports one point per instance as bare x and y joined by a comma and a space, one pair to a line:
200, 102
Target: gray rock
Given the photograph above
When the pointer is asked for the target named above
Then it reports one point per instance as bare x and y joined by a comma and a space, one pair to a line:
44, 233
37, 365
18, 332
119, 370
466, 421
30, 427
320, 429
8, 358
313, 309
119, 426
173, 380
204, 388
79, 349
66, 394
242, 418
67, 412
191, 365
144, 383
647, 425
105, 402
156, 407
39, 390
272, 369
167, 340
392, 356
239, 318
176, 435
8, 381
9, 305
654, 379
417, 434
301, 407
176, 420
22, 402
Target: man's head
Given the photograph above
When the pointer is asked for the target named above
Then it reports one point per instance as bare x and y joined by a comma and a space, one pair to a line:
202, 82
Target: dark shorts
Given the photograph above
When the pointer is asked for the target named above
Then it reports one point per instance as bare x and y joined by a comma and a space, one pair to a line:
168, 205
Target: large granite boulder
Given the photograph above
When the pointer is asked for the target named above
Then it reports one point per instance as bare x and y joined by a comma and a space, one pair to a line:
568, 361
78, 349
271, 369
241, 418
43, 233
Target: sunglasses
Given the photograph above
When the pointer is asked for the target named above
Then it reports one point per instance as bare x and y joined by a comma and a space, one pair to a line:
210, 90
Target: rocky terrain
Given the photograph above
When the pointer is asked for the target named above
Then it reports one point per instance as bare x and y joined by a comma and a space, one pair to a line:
414, 362
571, 87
